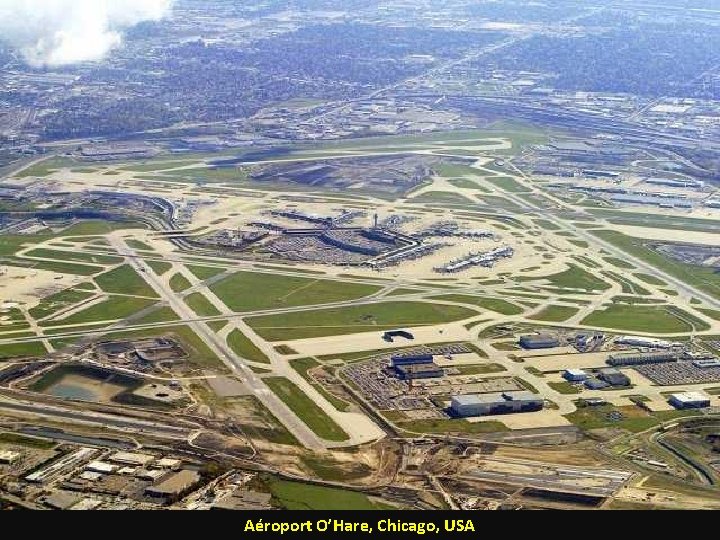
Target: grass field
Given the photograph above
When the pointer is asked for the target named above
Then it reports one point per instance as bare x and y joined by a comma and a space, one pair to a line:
179, 283
159, 267
704, 278
201, 305
640, 318
555, 313
247, 291
67, 256
297, 496
491, 304
480, 369
114, 308
634, 419
619, 263
352, 319
577, 278
245, 348
650, 280
303, 366
204, 272
15, 350
508, 184
125, 280
29, 442
565, 387
455, 425
306, 409
163, 314
59, 301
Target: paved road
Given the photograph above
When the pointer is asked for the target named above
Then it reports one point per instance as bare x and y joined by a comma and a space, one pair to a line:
281, 411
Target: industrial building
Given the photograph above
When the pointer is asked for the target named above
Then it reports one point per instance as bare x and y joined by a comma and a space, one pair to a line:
174, 486
639, 341
411, 360
639, 359
539, 342
614, 377
575, 375
8, 457
419, 371
595, 384
488, 404
126, 458
705, 363
690, 400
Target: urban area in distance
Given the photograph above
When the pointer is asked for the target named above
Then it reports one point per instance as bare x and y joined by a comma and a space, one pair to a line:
359, 254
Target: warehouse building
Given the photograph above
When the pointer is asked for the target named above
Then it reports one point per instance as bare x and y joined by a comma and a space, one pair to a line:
595, 384
639, 341
639, 359
137, 460
539, 342
706, 363
466, 406
175, 486
411, 360
419, 371
690, 400
614, 377
575, 375
8, 457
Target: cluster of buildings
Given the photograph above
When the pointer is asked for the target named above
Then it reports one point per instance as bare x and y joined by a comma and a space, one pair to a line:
486, 259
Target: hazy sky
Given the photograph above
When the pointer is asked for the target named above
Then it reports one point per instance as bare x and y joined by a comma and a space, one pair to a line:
59, 32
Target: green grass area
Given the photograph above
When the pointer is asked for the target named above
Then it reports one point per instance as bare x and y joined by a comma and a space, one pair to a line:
457, 426
125, 280
23, 440
137, 244
447, 197
508, 184
565, 387
163, 314
217, 326
657, 221
704, 278
582, 244
479, 369
201, 305
67, 256
205, 272
492, 304
555, 313
353, 319
619, 263
114, 308
303, 366
712, 313
99, 228
18, 350
59, 301
635, 419
464, 183
179, 283
245, 348
56, 266
297, 496
306, 409
158, 165
628, 286
159, 267
642, 318
549, 226
247, 291
650, 280
334, 471
577, 278
636, 300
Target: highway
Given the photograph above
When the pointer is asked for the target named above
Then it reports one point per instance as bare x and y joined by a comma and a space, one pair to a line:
253, 383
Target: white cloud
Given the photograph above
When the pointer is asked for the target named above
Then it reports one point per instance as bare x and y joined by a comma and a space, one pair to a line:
59, 32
